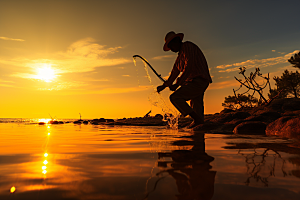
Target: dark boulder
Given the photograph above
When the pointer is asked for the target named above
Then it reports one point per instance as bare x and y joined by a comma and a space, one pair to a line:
227, 117
250, 128
291, 113
286, 104
287, 127
208, 126
110, 120
241, 115
159, 116
276, 104
235, 122
291, 104
255, 118
264, 116
226, 110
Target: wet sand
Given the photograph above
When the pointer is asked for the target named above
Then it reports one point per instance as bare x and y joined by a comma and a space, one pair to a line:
128, 162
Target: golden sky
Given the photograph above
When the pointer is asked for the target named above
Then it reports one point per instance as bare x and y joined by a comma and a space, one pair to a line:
69, 57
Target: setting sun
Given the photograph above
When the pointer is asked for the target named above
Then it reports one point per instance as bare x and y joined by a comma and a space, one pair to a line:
46, 73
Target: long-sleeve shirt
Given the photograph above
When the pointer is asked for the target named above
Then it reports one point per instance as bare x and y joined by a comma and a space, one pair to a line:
191, 62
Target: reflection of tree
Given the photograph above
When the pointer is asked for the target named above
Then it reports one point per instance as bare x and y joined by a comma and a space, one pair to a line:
190, 169
257, 162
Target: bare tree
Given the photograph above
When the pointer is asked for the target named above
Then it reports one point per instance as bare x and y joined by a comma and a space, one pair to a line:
252, 85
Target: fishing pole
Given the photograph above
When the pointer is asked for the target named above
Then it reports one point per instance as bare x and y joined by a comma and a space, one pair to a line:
158, 75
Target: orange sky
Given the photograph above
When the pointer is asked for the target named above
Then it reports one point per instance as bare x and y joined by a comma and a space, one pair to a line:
69, 57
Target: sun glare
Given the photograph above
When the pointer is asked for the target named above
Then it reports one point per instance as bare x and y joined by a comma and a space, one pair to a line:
46, 73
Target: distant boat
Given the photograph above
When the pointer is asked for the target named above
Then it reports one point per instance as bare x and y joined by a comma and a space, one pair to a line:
42, 123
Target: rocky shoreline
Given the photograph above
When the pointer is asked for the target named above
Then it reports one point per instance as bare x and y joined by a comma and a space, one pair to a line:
280, 118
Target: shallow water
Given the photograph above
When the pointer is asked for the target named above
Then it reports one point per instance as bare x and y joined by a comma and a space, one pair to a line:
119, 162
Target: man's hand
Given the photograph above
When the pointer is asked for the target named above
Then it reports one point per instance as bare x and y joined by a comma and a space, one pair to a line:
160, 88
174, 87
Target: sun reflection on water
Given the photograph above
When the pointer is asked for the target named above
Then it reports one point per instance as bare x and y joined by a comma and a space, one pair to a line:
12, 189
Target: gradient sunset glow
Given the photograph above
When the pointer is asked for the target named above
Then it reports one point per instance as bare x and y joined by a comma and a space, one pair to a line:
70, 57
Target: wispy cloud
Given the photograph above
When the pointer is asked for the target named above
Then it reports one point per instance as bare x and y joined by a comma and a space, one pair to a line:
164, 57
122, 90
13, 39
64, 85
5, 85
82, 56
223, 84
5, 81
253, 63
85, 55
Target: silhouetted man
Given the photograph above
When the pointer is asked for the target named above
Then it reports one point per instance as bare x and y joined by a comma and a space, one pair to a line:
193, 81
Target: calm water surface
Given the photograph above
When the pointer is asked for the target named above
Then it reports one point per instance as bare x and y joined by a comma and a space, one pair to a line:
116, 162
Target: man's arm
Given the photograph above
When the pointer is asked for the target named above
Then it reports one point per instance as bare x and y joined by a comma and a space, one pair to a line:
169, 83
180, 80
174, 74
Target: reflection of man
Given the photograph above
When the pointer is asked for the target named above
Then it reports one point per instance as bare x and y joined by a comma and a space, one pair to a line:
191, 170
195, 182
194, 79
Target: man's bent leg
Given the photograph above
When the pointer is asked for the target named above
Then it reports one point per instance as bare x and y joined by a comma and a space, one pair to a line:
178, 99
198, 107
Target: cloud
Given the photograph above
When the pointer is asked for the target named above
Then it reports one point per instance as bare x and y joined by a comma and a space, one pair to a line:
85, 55
81, 56
223, 84
257, 63
6, 38
64, 85
5, 85
126, 75
4, 81
164, 57
121, 90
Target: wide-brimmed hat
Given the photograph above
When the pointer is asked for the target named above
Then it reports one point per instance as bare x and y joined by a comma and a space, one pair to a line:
170, 36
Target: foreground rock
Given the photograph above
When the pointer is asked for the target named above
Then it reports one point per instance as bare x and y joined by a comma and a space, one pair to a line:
250, 128
287, 127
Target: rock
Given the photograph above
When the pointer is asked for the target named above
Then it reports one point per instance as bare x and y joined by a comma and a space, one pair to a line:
287, 127
101, 120
291, 104
276, 104
159, 116
291, 113
286, 104
250, 128
235, 122
227, 117
264, 116
241, 115
226, 110
110, 120
255, 118
208, 126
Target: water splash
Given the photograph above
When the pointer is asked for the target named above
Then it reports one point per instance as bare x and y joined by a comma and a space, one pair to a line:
137, 71
170, 115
